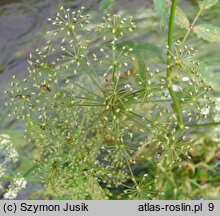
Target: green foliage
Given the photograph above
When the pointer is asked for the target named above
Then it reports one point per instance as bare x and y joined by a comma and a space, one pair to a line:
162, 9
103, 121
181, 19
104, 4
208, 32
206, 4
142, 50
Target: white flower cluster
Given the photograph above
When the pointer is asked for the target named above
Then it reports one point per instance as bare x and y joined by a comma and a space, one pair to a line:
6, 146
14, 188
8, 154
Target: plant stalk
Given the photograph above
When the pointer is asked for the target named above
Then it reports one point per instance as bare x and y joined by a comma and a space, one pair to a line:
176, 105
204, 124
191, 27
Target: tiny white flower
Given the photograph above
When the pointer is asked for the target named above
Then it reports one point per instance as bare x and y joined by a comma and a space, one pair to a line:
185, 79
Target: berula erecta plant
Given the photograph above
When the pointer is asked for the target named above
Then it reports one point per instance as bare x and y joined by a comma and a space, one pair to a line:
103, 127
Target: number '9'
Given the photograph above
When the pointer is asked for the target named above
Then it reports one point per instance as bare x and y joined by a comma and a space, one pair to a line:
211, 206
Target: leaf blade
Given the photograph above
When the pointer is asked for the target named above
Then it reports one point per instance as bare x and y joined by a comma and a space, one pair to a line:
142, 50
181, 19
206, 4
162, 10
104, 4
208, 32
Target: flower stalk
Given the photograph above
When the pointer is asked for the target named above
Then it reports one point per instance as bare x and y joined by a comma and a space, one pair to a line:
176, 105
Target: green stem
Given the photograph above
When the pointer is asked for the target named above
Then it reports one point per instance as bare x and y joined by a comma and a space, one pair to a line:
204, 124
30, 170
191, 27
168, 176
176, 105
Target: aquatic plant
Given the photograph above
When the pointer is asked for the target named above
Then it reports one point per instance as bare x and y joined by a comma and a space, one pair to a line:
104, 125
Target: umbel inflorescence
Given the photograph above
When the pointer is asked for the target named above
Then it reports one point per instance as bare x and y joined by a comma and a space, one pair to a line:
96, 120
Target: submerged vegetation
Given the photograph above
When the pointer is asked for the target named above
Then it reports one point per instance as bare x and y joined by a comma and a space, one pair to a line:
106, 124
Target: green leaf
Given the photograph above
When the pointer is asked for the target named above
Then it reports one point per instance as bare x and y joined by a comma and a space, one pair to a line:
142, 50
162, 9
207, 73
206, 4
104, 4
181, 18
208, 32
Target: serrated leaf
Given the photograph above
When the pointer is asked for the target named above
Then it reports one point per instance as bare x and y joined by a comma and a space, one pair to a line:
104, 4
181, 18
206, 4
208, 32
162, 9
